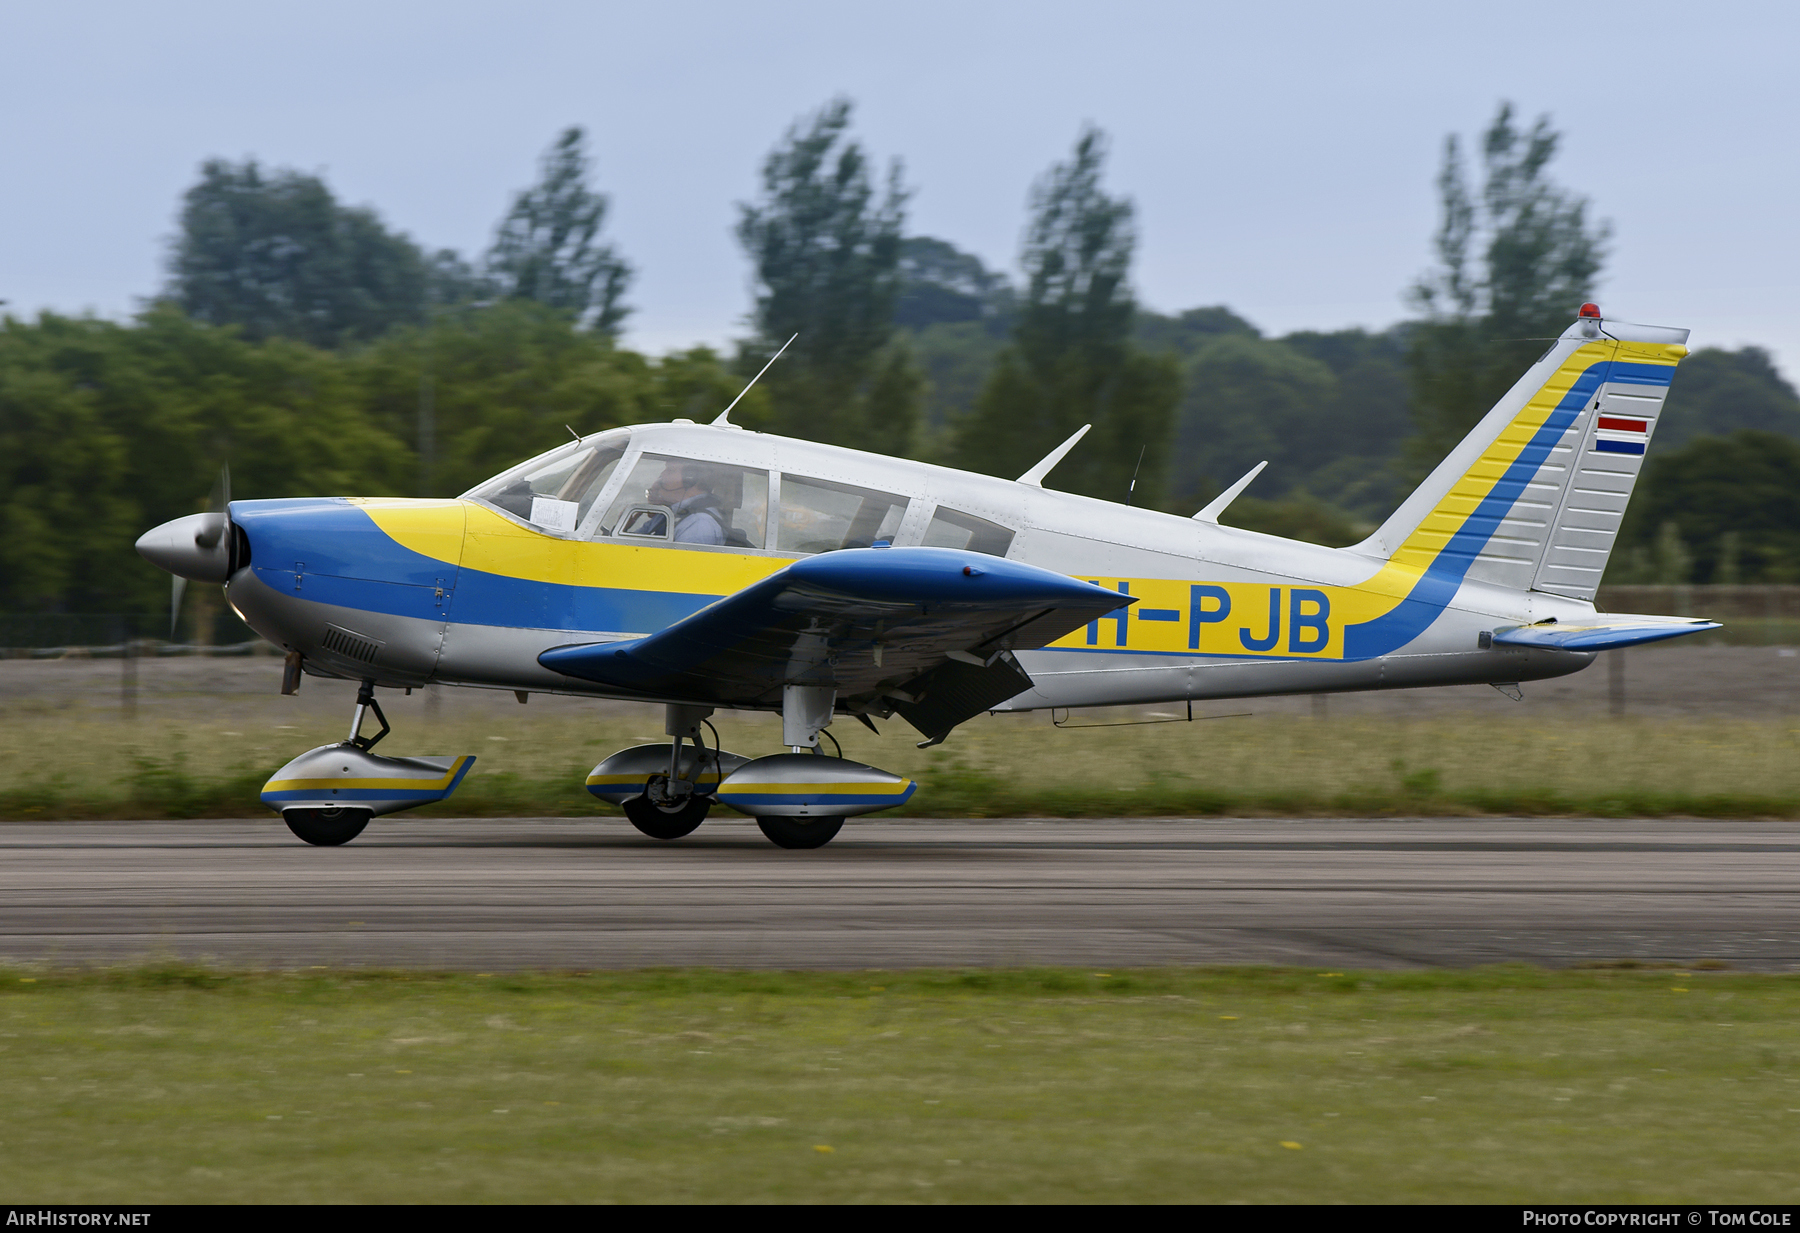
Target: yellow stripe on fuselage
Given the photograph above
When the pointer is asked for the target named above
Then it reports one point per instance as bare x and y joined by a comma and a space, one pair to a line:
430, 528
462, 532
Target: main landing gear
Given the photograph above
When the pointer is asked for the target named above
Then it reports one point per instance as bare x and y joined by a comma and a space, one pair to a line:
795, 832
329, 794
799, 798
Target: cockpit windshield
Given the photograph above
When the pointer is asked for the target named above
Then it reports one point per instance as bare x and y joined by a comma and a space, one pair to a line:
555, 490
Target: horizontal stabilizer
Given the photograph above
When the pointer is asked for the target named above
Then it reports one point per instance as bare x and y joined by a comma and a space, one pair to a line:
1607, 631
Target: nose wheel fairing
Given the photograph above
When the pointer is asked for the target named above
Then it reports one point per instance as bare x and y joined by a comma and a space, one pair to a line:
343, 775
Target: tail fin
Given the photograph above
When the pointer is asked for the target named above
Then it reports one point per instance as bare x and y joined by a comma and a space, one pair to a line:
1533, 497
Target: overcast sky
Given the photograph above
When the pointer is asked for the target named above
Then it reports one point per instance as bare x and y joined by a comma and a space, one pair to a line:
1281, 156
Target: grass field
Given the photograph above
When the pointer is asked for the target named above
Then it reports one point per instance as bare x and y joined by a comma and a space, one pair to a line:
1495, 1085
54, 764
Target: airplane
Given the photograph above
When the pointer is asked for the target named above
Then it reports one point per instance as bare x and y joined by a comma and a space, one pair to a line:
707, 567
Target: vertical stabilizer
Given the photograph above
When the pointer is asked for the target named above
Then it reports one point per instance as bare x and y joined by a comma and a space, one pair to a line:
1534, 496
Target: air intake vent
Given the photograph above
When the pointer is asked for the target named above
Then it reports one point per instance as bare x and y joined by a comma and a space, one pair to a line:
349, 645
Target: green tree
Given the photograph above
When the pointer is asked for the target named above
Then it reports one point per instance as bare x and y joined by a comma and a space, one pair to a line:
548, 248
1515, 262
1360, 436
1187, 332
1071, 360
109, 429
1718, 392
956, 358
1299, 517
941, 284
825, 247
1732, 502
276, 255
1248, 399
1329, 412
511, 380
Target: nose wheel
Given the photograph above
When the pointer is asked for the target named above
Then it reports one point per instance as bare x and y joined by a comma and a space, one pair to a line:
326, 828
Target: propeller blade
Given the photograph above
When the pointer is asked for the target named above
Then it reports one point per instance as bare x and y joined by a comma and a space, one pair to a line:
218, 511
177, 588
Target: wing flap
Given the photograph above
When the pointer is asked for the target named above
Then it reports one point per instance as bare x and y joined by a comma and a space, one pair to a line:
954, 692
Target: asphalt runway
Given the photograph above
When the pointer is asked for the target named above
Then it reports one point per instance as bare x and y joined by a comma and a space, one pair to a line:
488, 894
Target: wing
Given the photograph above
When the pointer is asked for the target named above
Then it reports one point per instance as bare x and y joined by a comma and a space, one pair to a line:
1606, 631
927, 632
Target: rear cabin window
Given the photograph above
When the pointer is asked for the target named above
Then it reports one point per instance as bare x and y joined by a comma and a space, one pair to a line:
688, 501
822, 515
954, 529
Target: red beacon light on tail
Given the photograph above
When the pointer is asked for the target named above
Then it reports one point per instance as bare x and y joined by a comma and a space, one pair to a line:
1590, 310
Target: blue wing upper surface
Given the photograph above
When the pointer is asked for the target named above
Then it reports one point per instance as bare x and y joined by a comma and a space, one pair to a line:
871, 622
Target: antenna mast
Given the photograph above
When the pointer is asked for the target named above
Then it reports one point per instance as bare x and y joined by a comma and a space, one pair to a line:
725, 415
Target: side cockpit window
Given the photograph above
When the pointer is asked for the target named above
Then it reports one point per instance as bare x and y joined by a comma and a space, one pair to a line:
954, 529
690, 501
822, 515
556, 491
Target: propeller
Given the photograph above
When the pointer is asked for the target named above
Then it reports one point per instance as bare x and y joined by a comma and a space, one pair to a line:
213, 525
217, 515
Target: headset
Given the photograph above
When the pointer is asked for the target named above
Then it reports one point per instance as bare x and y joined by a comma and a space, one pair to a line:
693, 475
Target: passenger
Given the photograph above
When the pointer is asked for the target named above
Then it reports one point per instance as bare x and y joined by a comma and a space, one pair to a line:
687, 489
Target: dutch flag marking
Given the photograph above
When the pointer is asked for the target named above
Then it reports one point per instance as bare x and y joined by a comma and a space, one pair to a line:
1617, 434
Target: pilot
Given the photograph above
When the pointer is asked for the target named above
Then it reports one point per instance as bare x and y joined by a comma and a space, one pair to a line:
686, 489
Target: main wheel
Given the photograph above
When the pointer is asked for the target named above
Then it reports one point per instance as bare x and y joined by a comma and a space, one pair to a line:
786, 831
326, 827
667, 821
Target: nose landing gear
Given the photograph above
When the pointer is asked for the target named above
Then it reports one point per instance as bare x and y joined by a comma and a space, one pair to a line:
329, 794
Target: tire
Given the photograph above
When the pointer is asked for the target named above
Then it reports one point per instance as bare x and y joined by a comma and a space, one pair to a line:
661, 822
790, 832
326, 828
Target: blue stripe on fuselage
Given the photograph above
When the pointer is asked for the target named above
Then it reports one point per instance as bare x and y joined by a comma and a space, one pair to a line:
331, 537
489, 599
344, 559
